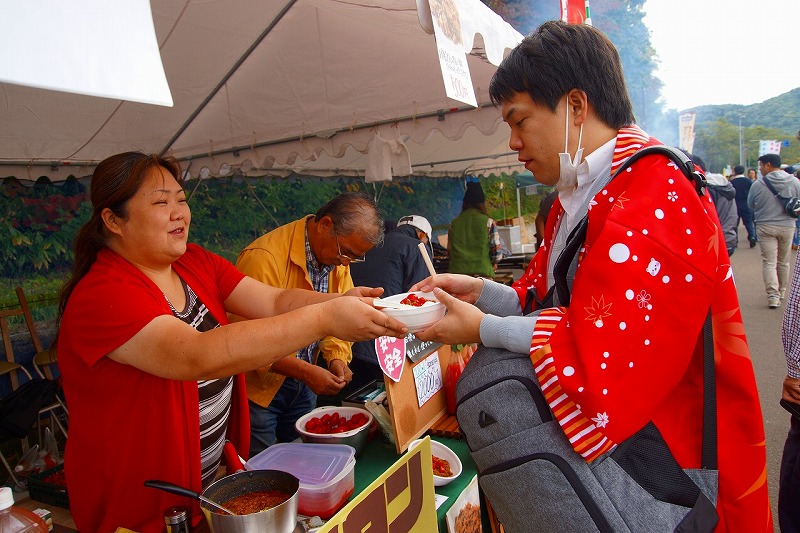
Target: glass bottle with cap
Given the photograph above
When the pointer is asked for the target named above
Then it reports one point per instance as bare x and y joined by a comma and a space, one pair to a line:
176, 520
16, 519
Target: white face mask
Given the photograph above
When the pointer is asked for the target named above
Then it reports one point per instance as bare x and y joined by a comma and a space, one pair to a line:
568, 172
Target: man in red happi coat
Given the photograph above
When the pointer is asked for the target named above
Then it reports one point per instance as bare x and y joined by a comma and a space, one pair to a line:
628, 349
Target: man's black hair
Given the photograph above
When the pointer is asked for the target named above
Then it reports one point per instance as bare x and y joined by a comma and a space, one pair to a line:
772, 159
559, 57
738, 169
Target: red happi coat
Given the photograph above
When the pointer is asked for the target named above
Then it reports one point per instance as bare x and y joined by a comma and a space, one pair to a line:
628, 350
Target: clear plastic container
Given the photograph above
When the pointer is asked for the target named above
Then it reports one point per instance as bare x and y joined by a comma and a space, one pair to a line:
15, 519
326, 473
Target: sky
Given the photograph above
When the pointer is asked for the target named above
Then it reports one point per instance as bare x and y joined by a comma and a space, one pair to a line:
716, 52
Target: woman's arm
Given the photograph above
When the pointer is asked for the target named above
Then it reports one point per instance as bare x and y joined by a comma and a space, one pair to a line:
170, 348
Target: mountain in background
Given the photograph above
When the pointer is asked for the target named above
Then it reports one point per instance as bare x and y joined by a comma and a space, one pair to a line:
781, 112
717, 131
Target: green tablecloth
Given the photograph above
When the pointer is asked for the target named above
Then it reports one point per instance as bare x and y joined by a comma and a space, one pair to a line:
378, 456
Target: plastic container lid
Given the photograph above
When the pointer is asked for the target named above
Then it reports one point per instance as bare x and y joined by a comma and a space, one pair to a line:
6, 498
312, 464
17, 520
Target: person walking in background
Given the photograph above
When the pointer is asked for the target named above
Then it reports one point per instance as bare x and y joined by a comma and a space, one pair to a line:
774, 227
742, 185
396, 266
789, 485
312, 253
724, 196
473, 241
796, 239
752, 174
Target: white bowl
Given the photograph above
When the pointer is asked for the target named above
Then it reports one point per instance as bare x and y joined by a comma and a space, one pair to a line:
443, 452
356, 438
416, 318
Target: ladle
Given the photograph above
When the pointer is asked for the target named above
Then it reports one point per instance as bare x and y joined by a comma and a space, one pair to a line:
181, 491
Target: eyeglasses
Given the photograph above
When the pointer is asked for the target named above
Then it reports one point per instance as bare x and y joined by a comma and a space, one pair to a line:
347, 257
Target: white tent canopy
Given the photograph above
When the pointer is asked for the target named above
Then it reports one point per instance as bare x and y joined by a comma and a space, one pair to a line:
274, 87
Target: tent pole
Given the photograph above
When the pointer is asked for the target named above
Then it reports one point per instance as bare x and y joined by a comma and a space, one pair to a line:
227, 76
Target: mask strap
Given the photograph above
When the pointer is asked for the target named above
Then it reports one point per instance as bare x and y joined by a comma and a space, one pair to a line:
566, 125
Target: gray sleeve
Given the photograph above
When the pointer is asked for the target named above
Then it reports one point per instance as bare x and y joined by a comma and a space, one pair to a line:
498, 299
512, 333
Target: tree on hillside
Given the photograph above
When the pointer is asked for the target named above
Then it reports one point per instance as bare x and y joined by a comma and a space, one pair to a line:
623, 23
718, 144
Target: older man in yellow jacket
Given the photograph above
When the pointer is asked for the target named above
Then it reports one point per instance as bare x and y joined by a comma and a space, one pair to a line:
312, 253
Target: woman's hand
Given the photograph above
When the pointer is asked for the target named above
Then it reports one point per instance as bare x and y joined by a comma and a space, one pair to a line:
353, 319
465, 288
461, 324
365, 292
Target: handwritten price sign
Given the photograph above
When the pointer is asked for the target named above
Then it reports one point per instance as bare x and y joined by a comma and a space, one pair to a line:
428, 378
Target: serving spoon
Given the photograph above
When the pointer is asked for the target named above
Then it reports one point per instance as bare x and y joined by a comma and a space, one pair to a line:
377, 302
182, 491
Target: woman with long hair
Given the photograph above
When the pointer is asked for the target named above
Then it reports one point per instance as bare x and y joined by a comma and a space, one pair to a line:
153, 382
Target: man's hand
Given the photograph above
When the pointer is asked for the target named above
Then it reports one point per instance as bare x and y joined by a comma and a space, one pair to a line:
320, 381
465, 288
341, 370
791, 389
461, 324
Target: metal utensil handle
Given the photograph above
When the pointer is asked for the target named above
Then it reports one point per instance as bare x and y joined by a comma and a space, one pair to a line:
182, 491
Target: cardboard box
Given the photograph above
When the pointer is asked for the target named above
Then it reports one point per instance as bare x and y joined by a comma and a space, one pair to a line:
511, 238
517, 221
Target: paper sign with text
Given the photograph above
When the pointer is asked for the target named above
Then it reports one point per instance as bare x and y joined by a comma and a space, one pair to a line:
452, 58
417, 349
428, 378
391, 354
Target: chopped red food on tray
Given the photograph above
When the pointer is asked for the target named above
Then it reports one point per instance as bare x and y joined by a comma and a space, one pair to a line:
335, 423
413, 299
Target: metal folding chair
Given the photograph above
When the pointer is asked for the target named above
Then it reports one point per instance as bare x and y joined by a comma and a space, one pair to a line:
18, 374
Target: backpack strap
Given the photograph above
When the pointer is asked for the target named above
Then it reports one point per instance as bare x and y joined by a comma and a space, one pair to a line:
770, 186
708, 454
567, 260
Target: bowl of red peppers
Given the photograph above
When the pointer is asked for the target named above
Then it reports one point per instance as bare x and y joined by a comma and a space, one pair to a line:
421, 309
335, 425
445, 462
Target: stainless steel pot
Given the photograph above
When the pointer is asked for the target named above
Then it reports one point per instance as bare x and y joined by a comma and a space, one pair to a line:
279, 519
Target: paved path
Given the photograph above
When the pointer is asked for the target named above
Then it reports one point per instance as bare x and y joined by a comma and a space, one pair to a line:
763, 329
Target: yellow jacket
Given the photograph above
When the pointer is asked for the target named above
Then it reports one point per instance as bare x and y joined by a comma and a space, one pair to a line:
279, 259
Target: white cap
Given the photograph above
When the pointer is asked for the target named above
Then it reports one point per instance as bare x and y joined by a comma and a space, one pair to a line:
6, 498
419, 222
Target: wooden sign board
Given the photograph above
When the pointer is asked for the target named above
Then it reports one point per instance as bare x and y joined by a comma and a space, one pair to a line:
409, 420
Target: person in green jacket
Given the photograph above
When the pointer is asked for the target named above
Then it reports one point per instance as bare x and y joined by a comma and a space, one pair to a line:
473, 241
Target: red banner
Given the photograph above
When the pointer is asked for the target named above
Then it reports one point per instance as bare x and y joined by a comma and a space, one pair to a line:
575, 11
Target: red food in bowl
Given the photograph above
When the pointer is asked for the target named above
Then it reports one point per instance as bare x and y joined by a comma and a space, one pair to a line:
335, 423
413, 299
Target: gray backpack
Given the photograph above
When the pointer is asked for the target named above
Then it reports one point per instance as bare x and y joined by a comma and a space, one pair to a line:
530, 473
